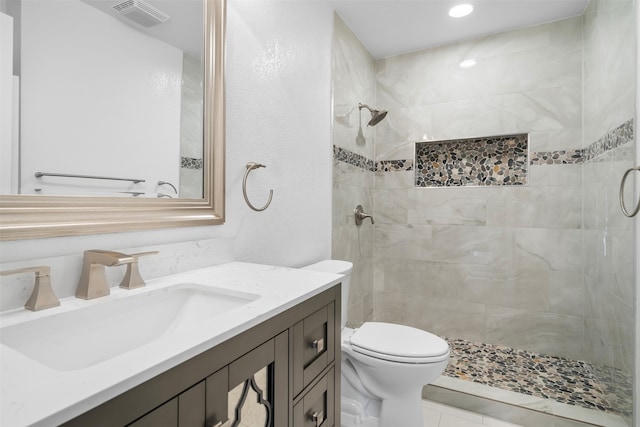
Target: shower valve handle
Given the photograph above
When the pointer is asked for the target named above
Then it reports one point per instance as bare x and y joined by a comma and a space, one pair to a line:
361, 215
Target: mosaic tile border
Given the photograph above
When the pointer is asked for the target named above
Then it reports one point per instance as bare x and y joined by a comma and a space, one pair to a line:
560, 157
596, 151
394, 165
612, 140
349, 157
493, 160
190, 163
572, 382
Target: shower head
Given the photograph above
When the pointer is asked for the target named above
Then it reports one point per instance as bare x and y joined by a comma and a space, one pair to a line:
376, 115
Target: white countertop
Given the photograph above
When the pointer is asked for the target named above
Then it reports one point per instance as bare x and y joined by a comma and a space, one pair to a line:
34, 394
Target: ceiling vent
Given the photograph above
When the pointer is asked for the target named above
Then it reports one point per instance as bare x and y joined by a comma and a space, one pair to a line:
141, 12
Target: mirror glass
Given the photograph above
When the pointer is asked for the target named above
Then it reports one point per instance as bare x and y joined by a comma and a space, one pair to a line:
108, 99
112, 116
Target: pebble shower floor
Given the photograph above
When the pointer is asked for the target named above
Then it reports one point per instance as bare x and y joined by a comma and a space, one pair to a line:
567, 381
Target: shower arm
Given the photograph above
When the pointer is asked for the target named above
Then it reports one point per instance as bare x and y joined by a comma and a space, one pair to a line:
361, 106
376, 115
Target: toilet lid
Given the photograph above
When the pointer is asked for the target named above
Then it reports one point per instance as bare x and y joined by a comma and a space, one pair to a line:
398, 343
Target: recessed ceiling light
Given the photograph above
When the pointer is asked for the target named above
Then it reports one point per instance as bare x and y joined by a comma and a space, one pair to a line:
460, 10
468, 63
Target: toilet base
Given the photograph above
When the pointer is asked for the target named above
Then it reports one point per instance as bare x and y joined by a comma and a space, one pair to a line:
360, 408
354, 414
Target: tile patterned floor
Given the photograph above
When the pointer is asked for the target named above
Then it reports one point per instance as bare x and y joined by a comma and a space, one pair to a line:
563, 380
439, 415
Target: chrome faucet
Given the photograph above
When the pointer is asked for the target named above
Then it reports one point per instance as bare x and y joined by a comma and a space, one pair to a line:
93, 280
42, 296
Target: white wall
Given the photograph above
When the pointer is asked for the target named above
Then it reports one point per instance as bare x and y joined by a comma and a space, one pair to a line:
98, 98
6, 102
278, 113
278, 109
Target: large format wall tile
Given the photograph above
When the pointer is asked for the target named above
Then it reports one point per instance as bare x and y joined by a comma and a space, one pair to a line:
567, 293
536, 207
445, 316
391, 206
353, 82
553, 249
609, 102
509, 62
514, 249
547, 333
441, 316
403, 241
609, 63
440, 206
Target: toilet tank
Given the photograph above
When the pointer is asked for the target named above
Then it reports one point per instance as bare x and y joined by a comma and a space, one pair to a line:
337, 267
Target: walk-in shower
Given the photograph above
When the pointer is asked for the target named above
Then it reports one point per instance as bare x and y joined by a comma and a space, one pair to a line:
531, 280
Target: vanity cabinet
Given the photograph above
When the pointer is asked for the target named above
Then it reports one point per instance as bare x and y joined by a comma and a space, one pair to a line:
282, 372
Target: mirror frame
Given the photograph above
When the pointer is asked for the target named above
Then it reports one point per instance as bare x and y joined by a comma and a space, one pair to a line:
33, 216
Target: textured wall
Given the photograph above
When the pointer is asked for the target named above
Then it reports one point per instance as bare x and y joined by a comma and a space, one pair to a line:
278, 113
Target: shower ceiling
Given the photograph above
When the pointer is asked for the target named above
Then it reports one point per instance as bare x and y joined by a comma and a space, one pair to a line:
392, 27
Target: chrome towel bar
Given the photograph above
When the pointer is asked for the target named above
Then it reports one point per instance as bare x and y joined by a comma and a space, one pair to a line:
65, 175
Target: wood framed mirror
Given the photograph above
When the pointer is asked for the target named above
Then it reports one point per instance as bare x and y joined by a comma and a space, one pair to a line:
27, 216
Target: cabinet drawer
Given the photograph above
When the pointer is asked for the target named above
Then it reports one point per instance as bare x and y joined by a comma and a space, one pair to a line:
317, 406
313, 346
185, 410
165, 415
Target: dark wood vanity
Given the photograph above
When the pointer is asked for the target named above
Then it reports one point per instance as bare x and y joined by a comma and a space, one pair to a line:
299, 349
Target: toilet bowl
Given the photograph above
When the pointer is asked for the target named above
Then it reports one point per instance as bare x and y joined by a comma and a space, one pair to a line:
384, 366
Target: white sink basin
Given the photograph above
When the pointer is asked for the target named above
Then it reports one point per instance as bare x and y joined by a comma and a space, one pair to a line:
85, 337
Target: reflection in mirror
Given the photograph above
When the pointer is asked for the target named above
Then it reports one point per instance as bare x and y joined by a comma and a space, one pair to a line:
249, 403
105, 89
116, 125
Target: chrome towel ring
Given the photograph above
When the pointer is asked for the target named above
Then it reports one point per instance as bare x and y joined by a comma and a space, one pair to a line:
251, 166
624, 208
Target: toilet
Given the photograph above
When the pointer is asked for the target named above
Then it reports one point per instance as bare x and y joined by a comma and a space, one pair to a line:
384, 366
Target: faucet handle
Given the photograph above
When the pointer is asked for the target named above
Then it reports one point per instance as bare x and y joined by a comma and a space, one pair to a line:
132, 278
42, 295
360, 215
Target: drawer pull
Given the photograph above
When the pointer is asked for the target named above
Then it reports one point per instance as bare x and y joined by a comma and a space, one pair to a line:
318, 418
318, 345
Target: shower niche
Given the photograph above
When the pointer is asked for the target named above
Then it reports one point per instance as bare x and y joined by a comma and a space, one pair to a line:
483, 161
